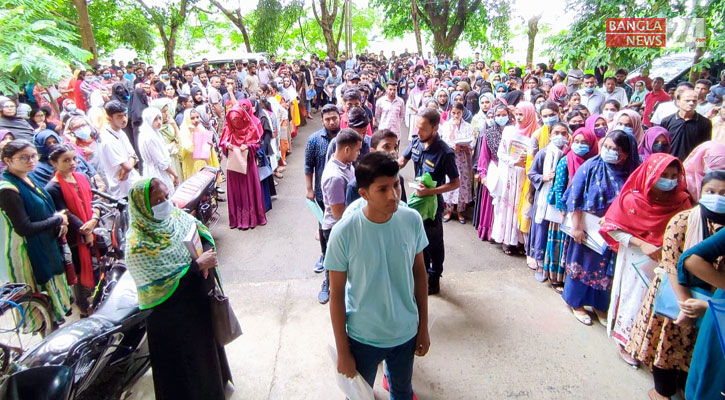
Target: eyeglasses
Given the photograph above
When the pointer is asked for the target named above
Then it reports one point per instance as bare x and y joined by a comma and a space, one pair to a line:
27, 158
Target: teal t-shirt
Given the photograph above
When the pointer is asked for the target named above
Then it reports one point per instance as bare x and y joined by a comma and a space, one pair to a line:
380, 290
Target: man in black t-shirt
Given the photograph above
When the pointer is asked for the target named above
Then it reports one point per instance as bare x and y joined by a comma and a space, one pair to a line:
431, 154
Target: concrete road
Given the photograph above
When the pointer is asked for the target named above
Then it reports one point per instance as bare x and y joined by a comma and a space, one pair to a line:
496, 332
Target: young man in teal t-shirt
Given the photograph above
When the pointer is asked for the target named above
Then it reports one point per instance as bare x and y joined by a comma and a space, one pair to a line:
378, 280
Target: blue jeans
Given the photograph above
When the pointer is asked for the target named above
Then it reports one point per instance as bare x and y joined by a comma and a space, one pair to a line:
399, 360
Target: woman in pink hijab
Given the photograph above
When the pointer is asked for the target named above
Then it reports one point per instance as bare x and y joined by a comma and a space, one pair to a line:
414, 103
630, 122
559, 94
706, 157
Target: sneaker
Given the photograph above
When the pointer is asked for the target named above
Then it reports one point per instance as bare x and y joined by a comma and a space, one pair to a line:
434, 286
324, 296
319, 267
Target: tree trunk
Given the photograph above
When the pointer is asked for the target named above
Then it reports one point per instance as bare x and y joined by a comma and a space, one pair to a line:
416, 26
533, 30
238, 21
88, 41
169, 48
332, 45
444, 44
326, 21
245, 35
695, 73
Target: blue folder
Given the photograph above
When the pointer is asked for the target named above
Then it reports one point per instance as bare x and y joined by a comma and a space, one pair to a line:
666, 301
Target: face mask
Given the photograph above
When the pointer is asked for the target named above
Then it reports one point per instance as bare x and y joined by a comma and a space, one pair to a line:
574, 127
609, 156
71, 107
580, 149
164, 76
107, 76
550, 120
665, 184
411, 85
162, 211
501, 121
629, 131
713, 202
421, 84
499, 94
600, 132
589, 90
538, 107
608, 114
83, 133
660, 148
559, 141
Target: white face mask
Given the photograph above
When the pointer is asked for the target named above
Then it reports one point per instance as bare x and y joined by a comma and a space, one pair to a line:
162, 210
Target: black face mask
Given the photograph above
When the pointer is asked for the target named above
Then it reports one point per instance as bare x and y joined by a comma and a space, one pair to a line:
660, 147
574, 127
421, 84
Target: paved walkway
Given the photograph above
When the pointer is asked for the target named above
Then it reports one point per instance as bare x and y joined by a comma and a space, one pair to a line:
496, 333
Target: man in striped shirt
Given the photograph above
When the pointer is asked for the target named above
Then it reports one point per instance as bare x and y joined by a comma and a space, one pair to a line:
389, 109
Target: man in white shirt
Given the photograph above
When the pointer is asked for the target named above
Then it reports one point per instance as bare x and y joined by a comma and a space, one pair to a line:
389, 109
264, 73
592, 99
613, 92
117, 158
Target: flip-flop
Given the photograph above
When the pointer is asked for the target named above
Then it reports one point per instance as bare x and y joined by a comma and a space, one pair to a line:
582, 316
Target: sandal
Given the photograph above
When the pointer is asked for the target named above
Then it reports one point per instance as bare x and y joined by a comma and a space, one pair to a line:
582, 316
558, 288
462, 220
507, 250
278, 174
628, 357
446, 218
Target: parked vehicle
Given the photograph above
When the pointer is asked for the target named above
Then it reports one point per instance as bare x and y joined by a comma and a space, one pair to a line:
199, 195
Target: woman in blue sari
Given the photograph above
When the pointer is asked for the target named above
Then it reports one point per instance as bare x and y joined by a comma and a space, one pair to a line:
592, 190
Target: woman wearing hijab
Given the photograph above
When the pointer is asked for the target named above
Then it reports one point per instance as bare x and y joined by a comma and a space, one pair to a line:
663, 344
487, 164
191, 134
5, 137
414, 103
638, 95
514, 97
43, 171
31, 227
630, 122
559, 94
71, 193
656, 140
500, 91
478, 124
541, 175
597, 124
458, 135
169, 132
634, 227
176, 288
9, 120
139, 102
472, 103
119, 92
583, 147
708, 156
511, 174
153, 151
267, 123
241, 137
197, 95
96, 114
593, 188
441, 96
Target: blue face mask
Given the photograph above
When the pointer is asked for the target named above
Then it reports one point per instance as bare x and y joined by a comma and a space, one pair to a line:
713, 202
665, 184
589, 90
559, 141
629, 131
107, 76
550, 120
609, 156
580, 149
501, 121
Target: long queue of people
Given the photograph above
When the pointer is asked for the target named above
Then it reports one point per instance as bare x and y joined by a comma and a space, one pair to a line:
602, 189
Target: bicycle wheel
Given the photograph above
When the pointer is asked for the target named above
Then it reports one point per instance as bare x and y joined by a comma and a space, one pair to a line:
32, 322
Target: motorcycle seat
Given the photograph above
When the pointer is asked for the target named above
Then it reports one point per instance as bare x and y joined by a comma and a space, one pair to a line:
121, 303
39, 383
193, 188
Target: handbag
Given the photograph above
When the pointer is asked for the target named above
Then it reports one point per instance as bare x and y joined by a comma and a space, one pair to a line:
224, 323
311, 93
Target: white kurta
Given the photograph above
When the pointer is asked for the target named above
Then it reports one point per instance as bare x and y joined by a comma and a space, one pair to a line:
506, 200
155, 156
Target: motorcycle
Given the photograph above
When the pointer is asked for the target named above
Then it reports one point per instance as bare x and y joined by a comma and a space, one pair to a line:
199, 196
103, 355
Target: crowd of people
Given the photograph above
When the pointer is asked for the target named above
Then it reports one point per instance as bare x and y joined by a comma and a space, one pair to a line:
602, 183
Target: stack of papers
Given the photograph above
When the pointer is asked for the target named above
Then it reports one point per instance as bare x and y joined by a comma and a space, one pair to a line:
592, 238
